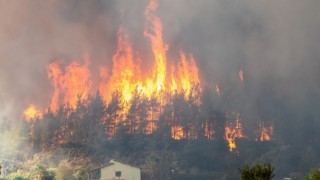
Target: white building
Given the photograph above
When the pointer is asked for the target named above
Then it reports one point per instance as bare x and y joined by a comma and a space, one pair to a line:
115, 170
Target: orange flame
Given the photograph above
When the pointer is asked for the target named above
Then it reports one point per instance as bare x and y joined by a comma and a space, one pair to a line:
218, 89
73, 81
177, 132
233, 131
265, 132
124, 73
153, 31
188, 73
241, 75
73, 84
32, 112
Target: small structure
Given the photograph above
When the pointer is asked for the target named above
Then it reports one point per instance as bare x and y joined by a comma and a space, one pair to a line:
115, 171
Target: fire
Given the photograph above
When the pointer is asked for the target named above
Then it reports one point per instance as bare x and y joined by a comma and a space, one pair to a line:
241, 75
188, 73
174, 86
265, 136
73, 82
217, 89
233, 130
124, 72
265, 132
71, 85
127, 75
32, 112
177, 132
209, 131
153, 32
127, 78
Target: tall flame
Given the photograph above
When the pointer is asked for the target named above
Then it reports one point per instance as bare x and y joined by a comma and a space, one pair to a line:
153, 31
127, 75
187, 73
233, 130
69, 86
73, 82
124, 71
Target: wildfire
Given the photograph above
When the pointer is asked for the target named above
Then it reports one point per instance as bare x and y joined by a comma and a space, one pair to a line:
32, 112
241, 75
217, 89
73, 82
233, 130
125, 74
265, 132
177, 132
71, 85
153, 31
187, 73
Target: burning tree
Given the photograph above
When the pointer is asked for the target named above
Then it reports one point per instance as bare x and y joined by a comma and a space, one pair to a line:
169, 98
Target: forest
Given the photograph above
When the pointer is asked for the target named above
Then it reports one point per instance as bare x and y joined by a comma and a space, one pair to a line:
183, 134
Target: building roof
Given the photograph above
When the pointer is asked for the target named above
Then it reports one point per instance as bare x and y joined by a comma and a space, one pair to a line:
111, 162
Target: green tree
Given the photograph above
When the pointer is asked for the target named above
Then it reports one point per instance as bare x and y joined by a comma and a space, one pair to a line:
81, 174
64, 173
40, 172
314, 174
18, 176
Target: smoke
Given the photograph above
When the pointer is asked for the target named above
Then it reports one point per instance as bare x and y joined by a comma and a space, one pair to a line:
275, 43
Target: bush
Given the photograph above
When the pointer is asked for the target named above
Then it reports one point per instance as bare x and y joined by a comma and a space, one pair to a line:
64, 173
18, 176
41, 172
257, 172
314, 174
81, 174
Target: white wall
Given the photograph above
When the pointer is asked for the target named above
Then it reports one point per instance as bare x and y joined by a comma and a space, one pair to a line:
127, 172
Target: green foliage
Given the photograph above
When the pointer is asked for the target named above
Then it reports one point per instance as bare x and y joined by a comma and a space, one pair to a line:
41, 172
64, 173
257, 172
81, 174
314, 174
18, 176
